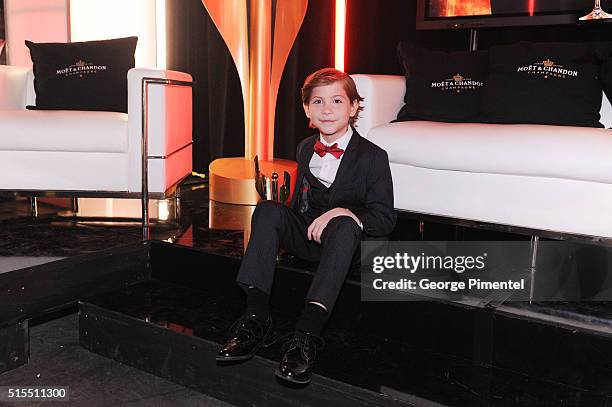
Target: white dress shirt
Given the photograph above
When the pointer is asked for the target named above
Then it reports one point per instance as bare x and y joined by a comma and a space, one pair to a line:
325, 168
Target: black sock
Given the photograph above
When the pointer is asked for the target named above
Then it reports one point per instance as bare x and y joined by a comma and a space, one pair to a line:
312, 319
258, 303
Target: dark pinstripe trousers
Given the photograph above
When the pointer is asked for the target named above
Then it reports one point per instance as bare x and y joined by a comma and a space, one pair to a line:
274, 225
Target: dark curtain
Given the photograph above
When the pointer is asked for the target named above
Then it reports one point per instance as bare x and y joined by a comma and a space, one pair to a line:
195, 46
375, 27
313, 49
566, 33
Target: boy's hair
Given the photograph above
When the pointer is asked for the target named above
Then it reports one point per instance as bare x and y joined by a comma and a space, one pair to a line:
327, 76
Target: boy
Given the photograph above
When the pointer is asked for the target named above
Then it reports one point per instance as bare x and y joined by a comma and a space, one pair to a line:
344, 193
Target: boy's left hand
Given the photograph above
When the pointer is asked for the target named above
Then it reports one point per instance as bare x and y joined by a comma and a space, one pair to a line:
315, 230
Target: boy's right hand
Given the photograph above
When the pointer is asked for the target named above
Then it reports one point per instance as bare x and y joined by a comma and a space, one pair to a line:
315, 230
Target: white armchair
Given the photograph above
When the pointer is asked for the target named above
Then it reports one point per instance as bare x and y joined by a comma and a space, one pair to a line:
91, 153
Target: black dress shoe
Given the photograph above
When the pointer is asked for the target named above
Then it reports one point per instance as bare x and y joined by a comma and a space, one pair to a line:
298, 357
247, 335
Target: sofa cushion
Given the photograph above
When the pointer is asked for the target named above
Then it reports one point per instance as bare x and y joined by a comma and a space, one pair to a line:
25, 130
576, 153
544, 83
442, 86
82, 75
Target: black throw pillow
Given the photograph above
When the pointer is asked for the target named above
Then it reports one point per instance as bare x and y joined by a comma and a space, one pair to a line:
82, 75
544, 83
442, 86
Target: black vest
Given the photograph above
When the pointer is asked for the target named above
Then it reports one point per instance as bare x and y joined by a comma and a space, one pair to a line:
318, 197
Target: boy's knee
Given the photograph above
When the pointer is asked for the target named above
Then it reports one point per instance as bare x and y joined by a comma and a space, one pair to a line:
344, 227
270, 211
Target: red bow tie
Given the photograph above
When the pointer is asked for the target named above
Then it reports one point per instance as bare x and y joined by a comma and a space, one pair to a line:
322, 149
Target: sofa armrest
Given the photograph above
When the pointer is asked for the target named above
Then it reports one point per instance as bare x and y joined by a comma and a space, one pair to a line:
169, 108
13, 87
384, 97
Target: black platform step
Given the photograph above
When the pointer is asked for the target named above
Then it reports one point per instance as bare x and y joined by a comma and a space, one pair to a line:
40, 291
410, 353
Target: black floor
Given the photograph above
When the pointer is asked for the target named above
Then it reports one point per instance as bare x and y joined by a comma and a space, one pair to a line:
57, 359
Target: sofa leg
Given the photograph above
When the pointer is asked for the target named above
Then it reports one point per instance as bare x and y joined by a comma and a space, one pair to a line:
33, 211
75, 206
177, 204
532, 266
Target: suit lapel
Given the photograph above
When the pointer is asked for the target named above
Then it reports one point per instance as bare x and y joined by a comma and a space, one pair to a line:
308, 150
303, 162
349, 159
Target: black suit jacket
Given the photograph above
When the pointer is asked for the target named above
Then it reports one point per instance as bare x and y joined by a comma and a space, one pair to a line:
363, 183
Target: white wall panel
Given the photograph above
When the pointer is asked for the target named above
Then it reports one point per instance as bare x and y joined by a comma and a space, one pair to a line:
34, 20
106, 19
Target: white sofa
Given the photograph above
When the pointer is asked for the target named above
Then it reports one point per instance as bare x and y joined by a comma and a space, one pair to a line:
95, 153
548, 178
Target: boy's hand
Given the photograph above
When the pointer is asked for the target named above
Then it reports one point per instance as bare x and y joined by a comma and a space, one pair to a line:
315, 230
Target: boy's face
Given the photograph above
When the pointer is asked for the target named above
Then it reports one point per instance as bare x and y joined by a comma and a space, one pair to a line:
329, 110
